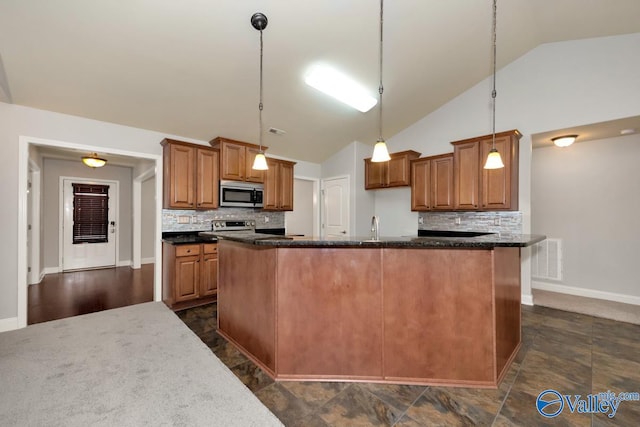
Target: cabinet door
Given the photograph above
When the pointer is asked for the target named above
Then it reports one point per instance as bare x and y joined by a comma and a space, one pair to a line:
251, 174
187, 278
286, 186
209, 273
207, 179
181, 179
466, 175
233, 162
497, 183
270, 196
398, 172
442, 183
375, 174
421, 185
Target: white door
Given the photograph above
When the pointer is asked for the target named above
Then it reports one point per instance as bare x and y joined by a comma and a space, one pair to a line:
335, 214
88, 255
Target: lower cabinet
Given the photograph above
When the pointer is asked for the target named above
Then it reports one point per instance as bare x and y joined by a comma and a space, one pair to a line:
189, 274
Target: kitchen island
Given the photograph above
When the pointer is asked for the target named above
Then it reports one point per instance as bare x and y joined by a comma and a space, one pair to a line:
421, 310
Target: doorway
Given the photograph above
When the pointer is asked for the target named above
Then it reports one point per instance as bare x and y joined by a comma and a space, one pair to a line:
335, 207
89, 223
304, 220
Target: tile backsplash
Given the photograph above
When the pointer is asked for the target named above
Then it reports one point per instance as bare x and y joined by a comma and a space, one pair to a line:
191, 220
494, 221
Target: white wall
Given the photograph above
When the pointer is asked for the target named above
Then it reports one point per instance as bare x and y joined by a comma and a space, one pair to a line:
588, 195
148, 225
52, 170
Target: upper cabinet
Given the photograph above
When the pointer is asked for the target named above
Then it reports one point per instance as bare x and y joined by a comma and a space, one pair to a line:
278, 185
236, 160
476, 188
432, 183
190, 175
394, 173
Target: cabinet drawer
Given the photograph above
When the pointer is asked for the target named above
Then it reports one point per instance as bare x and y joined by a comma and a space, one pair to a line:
187, 250
210, 248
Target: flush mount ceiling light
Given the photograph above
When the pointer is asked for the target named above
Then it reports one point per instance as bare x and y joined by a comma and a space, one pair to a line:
337, 85
494, 161
93, 161
564, 140
380, 152
259, 22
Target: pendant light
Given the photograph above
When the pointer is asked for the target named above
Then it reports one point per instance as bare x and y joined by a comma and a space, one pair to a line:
380, 152
494, 161
93, 161
259, 22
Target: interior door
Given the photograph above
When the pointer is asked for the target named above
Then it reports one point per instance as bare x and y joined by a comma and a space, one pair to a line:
335, 215
88, 255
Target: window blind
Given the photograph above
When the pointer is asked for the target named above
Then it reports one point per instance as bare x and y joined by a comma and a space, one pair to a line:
90, 213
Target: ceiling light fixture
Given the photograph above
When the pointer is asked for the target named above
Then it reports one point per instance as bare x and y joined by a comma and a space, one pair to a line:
259, 22
494, 161
93, 161
380, 152
564, 140
337, 85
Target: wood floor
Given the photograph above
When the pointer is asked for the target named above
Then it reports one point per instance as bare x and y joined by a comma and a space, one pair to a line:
69, 294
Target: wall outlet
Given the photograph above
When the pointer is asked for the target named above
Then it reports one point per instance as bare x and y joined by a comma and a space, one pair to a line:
458, 220
496, 221
184, 219
420, 220
266, 219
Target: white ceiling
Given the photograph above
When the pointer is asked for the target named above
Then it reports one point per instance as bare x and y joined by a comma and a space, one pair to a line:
190, 67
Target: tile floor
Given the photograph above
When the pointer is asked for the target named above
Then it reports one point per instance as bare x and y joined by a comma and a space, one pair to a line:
568, 352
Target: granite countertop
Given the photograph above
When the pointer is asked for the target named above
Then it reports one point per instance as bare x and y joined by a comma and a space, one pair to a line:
483, 242
181, 238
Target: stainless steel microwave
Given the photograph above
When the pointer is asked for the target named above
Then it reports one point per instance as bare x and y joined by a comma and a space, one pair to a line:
241, 194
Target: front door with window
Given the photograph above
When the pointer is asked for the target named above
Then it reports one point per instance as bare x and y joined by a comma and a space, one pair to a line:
89, 223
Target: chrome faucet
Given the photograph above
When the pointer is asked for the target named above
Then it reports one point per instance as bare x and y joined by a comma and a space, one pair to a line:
375, 228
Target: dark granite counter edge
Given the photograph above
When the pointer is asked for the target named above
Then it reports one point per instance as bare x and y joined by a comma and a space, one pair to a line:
481, 242
185, 238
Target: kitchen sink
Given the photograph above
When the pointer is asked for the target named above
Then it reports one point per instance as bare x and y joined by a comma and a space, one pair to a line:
451, 233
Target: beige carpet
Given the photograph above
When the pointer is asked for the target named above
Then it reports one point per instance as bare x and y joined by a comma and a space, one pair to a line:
132, 366
595, 307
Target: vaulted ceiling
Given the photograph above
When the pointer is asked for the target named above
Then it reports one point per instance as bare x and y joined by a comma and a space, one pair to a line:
190, 67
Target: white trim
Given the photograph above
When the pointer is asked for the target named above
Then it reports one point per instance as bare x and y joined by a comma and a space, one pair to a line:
8, 324
51, 270
23, 161
61, 214
34, 176
137, 214
587, 293
149, 260
124, 263
526, 299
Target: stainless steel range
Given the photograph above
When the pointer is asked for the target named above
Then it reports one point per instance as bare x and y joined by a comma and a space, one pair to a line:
235, 225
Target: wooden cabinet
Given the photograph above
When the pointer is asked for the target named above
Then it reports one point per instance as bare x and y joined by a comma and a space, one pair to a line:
190, 274
278, 185
190, 176
394, 173
432, 183
236, 160
476, 188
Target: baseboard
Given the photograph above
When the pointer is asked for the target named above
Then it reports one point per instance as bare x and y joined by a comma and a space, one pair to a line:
8, 324
148, 260
51, 270
587, 293
526, 299
125, 263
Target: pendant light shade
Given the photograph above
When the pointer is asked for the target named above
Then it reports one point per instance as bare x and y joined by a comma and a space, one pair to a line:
380, 152
259, 22
93, 161
494, 161
260, 162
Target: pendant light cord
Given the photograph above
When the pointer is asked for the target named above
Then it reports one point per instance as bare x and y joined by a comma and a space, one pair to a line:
493, 92
260, 106
380, 88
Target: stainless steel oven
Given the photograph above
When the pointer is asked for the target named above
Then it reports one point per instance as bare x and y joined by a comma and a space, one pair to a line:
241, 194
